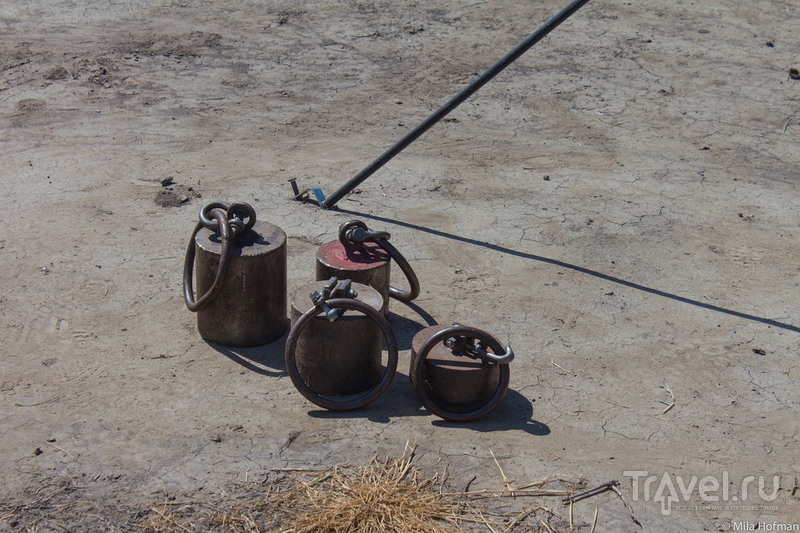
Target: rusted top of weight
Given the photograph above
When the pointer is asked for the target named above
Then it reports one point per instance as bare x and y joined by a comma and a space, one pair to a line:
363, 257
262, 239
302, 302
443, 356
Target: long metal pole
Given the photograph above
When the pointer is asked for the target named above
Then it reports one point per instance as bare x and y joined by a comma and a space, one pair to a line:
465, 93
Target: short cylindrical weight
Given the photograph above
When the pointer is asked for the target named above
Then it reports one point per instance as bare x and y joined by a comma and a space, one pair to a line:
342, 357
368, 264
455, 387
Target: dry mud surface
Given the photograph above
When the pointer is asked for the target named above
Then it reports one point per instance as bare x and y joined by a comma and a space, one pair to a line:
620, 206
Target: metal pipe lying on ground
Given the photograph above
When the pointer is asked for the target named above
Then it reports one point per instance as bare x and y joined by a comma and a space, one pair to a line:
440, 113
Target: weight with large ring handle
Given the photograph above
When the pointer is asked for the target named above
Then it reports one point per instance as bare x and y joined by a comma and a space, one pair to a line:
364, 256
337, 365
455, 377
241, 272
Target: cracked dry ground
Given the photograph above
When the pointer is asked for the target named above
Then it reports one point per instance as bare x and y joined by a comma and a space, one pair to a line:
620, 206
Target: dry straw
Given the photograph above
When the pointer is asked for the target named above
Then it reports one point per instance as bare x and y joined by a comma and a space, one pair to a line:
382, 497
385, 496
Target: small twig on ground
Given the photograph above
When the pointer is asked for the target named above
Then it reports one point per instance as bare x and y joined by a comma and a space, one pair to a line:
507, 482
297, 469
672, 400
462, 494
543, 482
54, 398
167, 356
560, 367
18, 469
444, 478
665, 421
591, 492
616, 404
485, 522
62, 450
519, 518
570, 515
517, 492
170, 520
538, 484
324, 477
615, 488
594, 520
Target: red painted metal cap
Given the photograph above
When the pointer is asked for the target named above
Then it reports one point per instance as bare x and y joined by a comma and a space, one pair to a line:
363, 257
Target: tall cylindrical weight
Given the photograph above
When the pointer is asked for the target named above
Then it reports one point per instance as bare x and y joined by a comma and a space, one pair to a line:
341, 357
456, 381
250, 307
367, 263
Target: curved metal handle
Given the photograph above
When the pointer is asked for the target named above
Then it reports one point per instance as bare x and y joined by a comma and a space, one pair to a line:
356, 232
327, 402
220, 217
241, 216
419, 366
478, 351
411, 276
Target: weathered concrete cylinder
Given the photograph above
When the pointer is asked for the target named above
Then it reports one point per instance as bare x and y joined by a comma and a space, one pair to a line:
250, 308
457, 381
341, 357
367, 263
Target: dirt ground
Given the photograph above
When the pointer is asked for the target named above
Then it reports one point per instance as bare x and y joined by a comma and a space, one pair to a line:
620, 206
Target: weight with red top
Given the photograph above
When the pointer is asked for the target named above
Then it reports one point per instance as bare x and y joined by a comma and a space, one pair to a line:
364, 256
367, 264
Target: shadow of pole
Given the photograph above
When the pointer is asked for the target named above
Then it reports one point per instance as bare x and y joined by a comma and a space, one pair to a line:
577, 268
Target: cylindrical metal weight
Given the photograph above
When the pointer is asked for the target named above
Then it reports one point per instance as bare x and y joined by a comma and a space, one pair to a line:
452, 378
455, 386
250, 307
367, 263
342, 357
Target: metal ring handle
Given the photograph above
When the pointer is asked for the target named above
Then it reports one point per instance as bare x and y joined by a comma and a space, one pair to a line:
245, 213
344, 227
221, 219
419, 365
205, 214
382, 239
411, 276
489, 357
369, 396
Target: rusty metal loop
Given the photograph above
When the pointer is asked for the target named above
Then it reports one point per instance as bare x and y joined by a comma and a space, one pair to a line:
477, 351
356, 232
205, 214
241, 216
244, 214
411, 276
346, 232
326, 401
221, 218
419, 366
